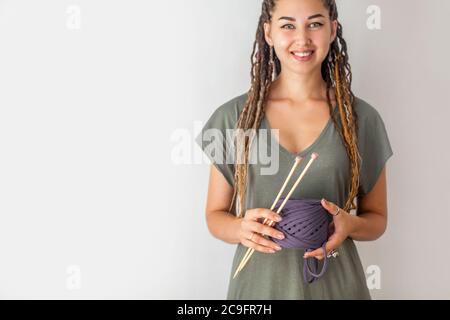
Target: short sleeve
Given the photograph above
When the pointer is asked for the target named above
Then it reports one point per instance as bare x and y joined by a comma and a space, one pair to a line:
373, 143
215, 138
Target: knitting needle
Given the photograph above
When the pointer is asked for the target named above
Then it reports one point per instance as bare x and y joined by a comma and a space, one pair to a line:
266, 220
313, 157
244, 262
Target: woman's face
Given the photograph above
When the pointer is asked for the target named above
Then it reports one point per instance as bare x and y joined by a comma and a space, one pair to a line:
300, 26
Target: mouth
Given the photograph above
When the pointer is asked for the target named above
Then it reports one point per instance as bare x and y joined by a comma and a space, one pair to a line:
302, 55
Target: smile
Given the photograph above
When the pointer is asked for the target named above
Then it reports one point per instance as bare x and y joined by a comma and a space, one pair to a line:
302, 56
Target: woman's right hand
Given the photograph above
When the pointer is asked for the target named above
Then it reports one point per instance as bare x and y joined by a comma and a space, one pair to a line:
251, 227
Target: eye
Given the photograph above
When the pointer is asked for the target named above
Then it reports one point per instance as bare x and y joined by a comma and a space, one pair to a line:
291, 25
317, 24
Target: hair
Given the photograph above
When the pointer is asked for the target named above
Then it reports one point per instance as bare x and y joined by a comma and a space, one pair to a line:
337, 74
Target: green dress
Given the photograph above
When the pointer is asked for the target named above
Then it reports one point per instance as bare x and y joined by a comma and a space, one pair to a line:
279, 275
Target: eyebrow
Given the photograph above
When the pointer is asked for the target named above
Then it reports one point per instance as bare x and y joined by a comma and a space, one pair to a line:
309, 18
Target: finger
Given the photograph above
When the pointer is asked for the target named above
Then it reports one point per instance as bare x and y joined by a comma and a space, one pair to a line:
330, 207
334, 242
264, 242
318, 253
266, 214
257, 247
266, 230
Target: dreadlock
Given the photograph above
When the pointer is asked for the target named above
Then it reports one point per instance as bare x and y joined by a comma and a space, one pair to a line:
337, 74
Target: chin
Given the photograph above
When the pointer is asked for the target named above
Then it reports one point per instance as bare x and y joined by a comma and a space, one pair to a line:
306, 68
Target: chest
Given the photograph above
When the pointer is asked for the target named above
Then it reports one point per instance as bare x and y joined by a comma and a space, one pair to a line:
297, 128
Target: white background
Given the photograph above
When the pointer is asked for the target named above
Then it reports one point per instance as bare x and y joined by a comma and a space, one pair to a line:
92, 204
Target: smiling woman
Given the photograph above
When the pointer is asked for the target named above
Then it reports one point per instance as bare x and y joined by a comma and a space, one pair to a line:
301, 85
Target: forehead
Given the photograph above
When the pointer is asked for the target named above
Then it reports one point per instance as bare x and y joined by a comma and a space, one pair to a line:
299, 9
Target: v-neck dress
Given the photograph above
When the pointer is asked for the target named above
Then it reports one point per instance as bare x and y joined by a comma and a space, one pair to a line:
279, 275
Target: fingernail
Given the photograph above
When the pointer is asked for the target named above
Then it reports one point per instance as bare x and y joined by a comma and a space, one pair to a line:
280, 236
278, 248
278, 218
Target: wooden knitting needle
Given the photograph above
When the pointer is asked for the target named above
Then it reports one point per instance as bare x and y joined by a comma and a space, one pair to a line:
245, 260
266, 221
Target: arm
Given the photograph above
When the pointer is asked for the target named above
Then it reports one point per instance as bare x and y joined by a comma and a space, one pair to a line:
222, 224
371, 221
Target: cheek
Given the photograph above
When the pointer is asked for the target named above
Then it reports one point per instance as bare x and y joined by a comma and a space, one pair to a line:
284, 41
321, 40
322, 44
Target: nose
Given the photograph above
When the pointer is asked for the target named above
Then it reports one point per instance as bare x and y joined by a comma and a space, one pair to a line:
302, 38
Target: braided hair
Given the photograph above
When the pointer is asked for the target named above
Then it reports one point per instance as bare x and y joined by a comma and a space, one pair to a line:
337, 74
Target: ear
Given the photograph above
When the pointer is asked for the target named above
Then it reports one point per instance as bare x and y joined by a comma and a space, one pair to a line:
334, 25
267, 34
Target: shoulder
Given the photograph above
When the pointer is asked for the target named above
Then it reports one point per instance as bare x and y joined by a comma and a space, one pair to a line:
365, 111
372, 131
228, 113
369, 119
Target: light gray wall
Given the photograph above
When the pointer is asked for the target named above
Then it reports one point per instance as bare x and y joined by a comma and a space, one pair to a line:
94, 95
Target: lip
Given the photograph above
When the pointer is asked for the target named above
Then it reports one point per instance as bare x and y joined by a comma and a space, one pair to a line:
303, 59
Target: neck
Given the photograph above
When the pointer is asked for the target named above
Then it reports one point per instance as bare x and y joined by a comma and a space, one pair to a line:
299, 88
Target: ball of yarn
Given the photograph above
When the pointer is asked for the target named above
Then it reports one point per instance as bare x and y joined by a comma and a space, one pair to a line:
305, 226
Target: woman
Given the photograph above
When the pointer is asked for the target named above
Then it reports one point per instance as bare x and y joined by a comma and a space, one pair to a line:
301, 85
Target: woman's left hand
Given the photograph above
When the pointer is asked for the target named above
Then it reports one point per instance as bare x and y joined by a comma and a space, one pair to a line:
343, 224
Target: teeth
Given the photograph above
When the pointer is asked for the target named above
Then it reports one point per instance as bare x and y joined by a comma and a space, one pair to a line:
303, 54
